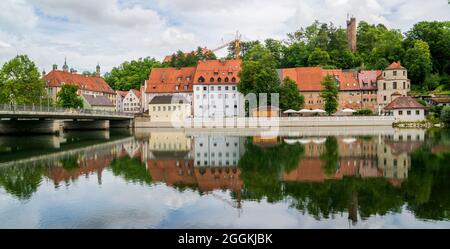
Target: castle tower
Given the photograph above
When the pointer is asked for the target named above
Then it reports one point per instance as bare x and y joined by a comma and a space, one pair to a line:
65, 67
351, 34
97, 70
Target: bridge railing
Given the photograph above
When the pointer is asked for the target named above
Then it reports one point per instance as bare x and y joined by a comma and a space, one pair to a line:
40, 108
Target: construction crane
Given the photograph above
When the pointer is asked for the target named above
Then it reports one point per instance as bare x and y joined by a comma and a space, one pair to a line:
237, 45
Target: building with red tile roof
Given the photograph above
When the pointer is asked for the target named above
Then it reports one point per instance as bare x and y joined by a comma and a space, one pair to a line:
55, 79
168, 81
406, 109
132, 102
393, 82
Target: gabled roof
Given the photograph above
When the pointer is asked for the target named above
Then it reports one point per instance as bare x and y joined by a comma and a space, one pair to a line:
395, 65
137, 93
368, 79
122, 93
217, 70
310, 78
56, 78
97, 100
404, 102
169, 99
165, 80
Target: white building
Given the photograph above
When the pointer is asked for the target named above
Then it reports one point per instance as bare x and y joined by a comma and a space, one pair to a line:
215, 89
406, 109
132, 102
120, 97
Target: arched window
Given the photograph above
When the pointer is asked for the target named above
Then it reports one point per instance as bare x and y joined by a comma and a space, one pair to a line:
226, 80
201, 79
233, 80
211, 80
219, 80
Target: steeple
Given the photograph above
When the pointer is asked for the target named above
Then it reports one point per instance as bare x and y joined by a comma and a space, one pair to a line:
65, 67
97, 70
43, 72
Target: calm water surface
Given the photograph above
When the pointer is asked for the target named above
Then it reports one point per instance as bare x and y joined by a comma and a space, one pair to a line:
331, 178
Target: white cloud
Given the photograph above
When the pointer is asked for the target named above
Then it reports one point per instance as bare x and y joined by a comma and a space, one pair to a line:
112, 31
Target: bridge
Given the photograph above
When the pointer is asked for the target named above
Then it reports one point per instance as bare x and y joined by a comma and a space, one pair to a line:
52, 120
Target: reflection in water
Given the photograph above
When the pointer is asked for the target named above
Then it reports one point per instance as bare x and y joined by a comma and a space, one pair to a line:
321, 176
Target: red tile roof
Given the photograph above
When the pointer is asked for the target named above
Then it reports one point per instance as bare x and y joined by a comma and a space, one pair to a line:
137, 93
404, 103
56, 78
217, 72
395, 65
368, 79
396, 94
165, 80
310, 78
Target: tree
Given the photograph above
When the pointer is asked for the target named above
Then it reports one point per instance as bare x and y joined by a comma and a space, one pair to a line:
20, 82
68, 98
418, 62
318, 58
259, 73
344, 59
330, 94
131, 75
290, 96
445, 115
295, 55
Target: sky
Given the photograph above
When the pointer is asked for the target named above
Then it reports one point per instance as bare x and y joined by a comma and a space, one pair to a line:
109, 32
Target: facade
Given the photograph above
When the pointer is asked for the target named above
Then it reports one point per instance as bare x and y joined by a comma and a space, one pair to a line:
120, 96
406, 109
361, 89
169, 108
92, 85
97, 102
132, 102
168, 82
215, 89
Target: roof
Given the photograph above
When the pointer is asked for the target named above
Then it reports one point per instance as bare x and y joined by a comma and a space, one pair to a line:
404, 103
396, 94
368, 79
56, 78
122, 93
217, 72
310, 78
166, 80
395, 65
137, 93
441, 100
97, 100
169, 99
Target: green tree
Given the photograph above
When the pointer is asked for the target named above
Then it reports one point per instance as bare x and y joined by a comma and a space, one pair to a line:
131, 75
68, 98
290, 96
345, 59
445, 115
295, 55
131, 169
330, 94
20, 82
259, 73
318, 58
418, 62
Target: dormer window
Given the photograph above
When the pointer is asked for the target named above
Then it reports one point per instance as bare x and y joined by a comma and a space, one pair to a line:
230, 73
201, 79
188, 78
211, 80
233, 80
219, 80
216, 73
180, 78
226, 80
176, 88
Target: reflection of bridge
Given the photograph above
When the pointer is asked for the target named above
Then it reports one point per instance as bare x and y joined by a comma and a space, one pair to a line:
50, 120
53, 157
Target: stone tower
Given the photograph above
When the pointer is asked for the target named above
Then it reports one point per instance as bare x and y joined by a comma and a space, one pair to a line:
65, 67
351, 34
97, 70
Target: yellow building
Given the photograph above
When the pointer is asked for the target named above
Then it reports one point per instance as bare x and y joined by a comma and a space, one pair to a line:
173, 108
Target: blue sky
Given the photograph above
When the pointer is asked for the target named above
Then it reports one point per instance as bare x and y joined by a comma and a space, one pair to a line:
111, 31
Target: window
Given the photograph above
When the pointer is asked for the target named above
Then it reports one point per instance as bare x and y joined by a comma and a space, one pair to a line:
168, 108
211, 80
216, 73
201, 80
233, 80
227, 80
211, 88
400, 112
219, 88
234, 88
204, 88
417, 112
384, 86
384, 98
186, 87
394, 86
409, 113
180, 78
176, 88
395, 73
164, 108
159, 108
154, 108
404, 85
219, 80
404, 73
227, 88
230, 73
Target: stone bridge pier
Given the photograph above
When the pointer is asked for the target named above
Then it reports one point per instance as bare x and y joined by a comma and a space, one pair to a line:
78, 125
15, 126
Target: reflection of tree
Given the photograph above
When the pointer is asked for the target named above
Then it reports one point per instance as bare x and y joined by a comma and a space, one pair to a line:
70, 163
331, 156
261, 168
131, 169
21, 181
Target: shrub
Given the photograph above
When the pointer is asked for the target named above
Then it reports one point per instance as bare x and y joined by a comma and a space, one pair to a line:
445, 115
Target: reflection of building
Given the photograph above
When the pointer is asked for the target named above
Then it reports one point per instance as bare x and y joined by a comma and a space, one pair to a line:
217, 151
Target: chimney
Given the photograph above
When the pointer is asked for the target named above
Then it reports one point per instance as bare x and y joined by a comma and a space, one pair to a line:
351, 34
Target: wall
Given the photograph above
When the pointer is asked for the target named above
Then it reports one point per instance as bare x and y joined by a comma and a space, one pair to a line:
402, 115
209, 101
